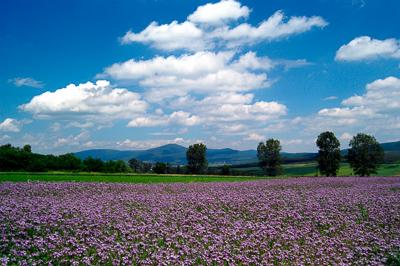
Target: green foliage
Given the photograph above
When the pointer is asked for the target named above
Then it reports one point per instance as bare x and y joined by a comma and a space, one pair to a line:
328, 154
393, 259
12, 158
269, 157
160, 168
225, 170
196, 158
139, 167
70, 162
96, 165
119, 178
17, 159
365, 154
309, 169
146, 167
135, 165
169, 169
27, 148
364, 213
178, 169
115, 167
93, 165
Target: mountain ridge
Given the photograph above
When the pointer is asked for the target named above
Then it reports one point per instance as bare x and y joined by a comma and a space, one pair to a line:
176, 154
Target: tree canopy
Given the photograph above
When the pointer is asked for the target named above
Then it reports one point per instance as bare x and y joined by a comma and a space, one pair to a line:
365, 154
328, 154
196, 158
269, 157
160, 168
23, 159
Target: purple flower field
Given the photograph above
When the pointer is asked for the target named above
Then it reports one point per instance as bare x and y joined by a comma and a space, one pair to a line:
309, 221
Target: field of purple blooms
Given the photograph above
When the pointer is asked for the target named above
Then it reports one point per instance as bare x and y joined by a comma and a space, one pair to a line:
308, 221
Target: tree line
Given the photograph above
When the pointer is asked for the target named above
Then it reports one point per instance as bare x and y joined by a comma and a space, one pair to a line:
364, 155
23, 159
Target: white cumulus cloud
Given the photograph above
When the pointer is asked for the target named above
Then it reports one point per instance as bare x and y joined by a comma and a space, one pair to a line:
367, 48
382, 95
169, 37
4, 138
186, 65
147, 144
346, 112
219, 13
255, 137
346, 136
258, 111
10, 125
96, 100
275, 27
211, 26
215, 112
376, 112
378, 107
250, 61
177, 118
201, 72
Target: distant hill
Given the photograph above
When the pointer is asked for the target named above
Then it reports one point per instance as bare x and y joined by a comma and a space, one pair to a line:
171, 153
392, 151
391, 146
176, 154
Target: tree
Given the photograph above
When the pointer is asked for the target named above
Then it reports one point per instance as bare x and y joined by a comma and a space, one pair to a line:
365, 154
178, 169
328, 154
27, 148
93, 165
135, 164
23, 159
69, 162
196, 158
160, 168
169, 169
269, 156
146, 167
225, 170
13, 158
118, 166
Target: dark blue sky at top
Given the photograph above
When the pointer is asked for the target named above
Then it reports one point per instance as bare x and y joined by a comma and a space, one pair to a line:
62, 42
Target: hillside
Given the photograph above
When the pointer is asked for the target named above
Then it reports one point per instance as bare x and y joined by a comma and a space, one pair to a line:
176, 154
392, 151
171, 153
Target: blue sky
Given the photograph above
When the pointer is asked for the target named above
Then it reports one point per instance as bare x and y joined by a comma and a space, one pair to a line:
137, 74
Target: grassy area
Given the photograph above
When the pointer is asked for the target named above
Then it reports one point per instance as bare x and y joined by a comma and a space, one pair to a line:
309, 169
296, 169
120, 178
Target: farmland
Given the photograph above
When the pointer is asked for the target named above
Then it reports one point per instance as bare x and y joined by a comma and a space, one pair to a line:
241, 174
309, 169
116, 178
320, 221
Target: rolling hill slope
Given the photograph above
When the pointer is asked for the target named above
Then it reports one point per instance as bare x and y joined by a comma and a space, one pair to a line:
176, 154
